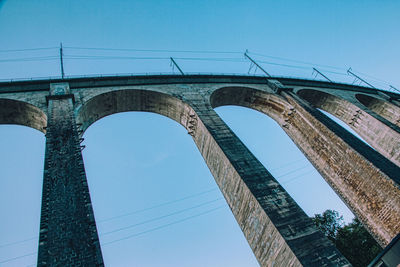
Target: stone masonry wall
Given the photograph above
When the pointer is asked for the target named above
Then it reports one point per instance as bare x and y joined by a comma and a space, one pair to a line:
68, 235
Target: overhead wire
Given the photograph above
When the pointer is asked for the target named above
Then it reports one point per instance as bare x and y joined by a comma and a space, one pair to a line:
158, 205
165, 216
162, 226
155, 206
295, 170
124, 214
28, 49
295, 61
154, 50
160, 217
167, 203
29, 59
107, 57
297, 177
133, 235
18, 257
286, 164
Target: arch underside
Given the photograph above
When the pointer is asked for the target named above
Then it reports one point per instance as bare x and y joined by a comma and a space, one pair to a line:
133, 100
369, 189
22, 113
385, 109
345, 172
378, 133
243, 203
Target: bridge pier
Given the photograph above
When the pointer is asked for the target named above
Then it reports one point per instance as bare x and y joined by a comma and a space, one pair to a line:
276, 228
366, 181
68, 234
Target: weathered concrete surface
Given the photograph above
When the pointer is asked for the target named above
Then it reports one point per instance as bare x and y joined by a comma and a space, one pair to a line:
22, 113
277, 230
366, 181
383, 108
68, 234
380, 133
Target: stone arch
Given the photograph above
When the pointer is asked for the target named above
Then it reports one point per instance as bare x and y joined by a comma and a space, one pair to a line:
376, 133
383, 108
113, 102
324, 145
22, 113
270, 104
250, 191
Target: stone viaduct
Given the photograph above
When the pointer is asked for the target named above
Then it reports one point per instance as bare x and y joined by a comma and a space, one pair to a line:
367, 178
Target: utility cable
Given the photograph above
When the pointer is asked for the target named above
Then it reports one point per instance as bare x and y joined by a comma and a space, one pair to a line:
109, 57
162, 226
284, 65
18, 242
30, 59
164, 216
287, 164
28, 49
152, 58
162, 204
160, 217
297, 177
279, 176
296, 61
134, 235
153, 50
18, 257
157, 206
124, 215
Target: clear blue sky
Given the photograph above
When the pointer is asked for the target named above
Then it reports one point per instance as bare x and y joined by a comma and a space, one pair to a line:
140, 160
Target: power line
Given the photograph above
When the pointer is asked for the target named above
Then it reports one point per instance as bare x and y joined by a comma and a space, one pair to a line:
137, 234
285, 65
109, 57
18, 242
296, 61
212, 59
18, 257
157, 206
295, 170
162, 226
29, 59
28, 49
287, 164
153, 50
164, 216
160, 217
297, 177
170, 202
134, 235
124, 215
88, 57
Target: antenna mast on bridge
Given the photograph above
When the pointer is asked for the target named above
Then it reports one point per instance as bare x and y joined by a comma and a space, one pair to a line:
320, 73
61, 61
255, 63
357, 77
173, 63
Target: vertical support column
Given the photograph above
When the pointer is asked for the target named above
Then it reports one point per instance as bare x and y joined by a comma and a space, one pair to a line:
366, 181
68, 234
276, 228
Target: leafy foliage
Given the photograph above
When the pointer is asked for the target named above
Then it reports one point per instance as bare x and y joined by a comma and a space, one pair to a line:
329, 223
352, 240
